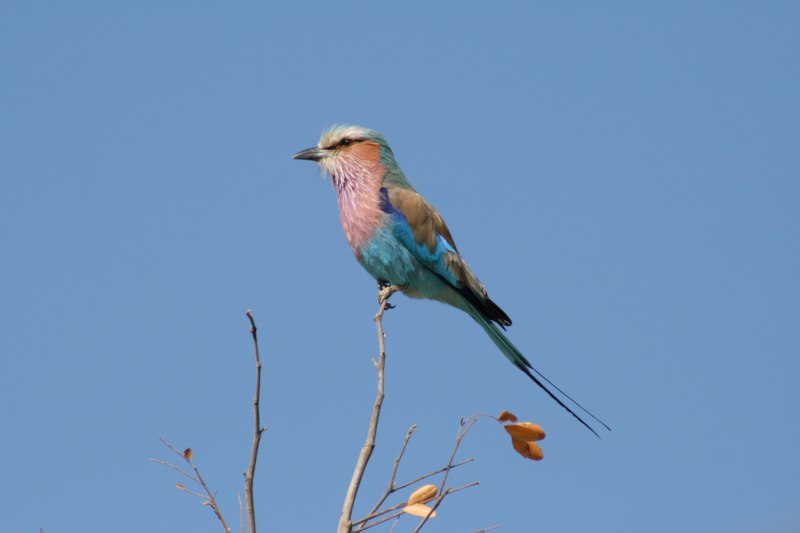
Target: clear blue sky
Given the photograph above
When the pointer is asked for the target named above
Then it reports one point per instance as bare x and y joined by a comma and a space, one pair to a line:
625, 178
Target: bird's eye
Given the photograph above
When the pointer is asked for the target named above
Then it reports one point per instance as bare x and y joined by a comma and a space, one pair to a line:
346, 142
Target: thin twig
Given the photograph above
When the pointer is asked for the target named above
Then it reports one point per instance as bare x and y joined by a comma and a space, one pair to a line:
369, 444
179, 469
197, 478
490, 528
171, 447
257, 431
382, 520
212, 500
241, 516
400, 513
441, 498
459, 489
431, 474
462, 432
375, 514
390, 488
193, 493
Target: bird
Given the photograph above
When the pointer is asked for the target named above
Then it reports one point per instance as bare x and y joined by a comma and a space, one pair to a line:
402, 241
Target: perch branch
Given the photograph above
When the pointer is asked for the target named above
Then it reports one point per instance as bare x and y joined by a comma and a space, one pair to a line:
369, 444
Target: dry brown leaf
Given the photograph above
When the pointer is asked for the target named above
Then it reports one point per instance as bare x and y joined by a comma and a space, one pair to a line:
505, 416
528, 450
187, 454
521, 447
419, 509
423, 494
535, 451
525, 431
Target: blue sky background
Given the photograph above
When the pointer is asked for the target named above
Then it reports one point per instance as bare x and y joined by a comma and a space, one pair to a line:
625, 178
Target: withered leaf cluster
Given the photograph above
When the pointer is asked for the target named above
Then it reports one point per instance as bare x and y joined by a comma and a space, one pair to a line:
523, 436
416, 502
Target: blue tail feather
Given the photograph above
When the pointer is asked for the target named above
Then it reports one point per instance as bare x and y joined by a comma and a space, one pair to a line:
517, 359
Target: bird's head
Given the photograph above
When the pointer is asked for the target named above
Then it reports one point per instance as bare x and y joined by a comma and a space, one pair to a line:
345, 151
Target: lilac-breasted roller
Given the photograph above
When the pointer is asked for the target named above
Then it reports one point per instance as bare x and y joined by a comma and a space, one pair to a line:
401, 240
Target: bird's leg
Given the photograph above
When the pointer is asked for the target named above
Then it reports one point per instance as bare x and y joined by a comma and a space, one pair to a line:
385, 291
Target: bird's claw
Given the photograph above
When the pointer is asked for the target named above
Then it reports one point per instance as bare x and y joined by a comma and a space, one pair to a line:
384, 293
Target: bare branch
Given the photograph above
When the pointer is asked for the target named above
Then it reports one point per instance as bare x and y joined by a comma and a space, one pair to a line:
401, 512
392, 513
197, 478
241, 516
459, 489
257, 431
431, 474
441, 498
193, 493
171, 447
390, 488
369, 444
375, 514
165, 463
490, 528
460, 434
383, 520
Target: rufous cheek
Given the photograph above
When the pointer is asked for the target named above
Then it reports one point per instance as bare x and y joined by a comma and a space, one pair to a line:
366, 151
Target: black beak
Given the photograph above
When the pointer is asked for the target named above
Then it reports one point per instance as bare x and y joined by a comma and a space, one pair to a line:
311, 154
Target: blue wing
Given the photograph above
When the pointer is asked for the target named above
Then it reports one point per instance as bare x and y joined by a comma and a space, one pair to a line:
423, 232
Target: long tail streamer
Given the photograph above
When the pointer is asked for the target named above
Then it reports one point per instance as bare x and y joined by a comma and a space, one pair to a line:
519, 360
